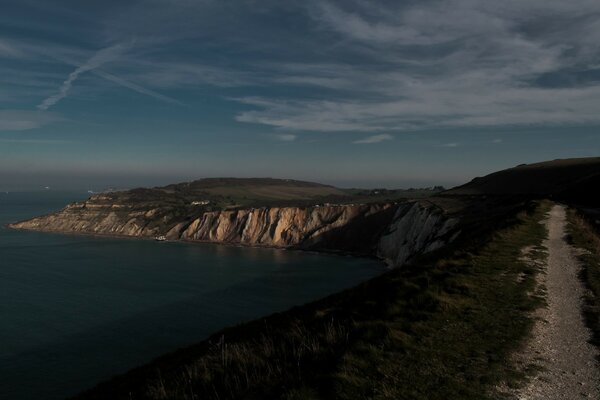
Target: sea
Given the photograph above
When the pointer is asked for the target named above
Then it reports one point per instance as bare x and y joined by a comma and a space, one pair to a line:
76, 310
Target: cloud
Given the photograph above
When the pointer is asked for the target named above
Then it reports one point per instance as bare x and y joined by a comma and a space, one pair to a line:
107, 55
8, 50
167, 74
355, 26
374, 139
441, 64
34, 141
21, 120
286, 137
450, 145
324, 116
369, 67
100, 58
136, 87
497, 141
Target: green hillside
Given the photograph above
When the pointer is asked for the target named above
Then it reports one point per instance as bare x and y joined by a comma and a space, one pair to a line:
220, 193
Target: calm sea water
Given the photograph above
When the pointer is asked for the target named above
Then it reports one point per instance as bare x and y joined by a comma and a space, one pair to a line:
76, 309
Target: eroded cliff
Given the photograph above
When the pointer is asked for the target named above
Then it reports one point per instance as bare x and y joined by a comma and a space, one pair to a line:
416, 228
393, 231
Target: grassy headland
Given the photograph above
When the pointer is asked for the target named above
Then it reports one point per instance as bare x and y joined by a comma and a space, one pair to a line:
442, 327
230, 193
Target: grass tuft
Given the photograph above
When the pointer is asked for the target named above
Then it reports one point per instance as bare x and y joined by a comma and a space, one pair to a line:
585, 237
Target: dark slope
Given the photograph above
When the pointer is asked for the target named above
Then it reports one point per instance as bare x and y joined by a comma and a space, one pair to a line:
575, 180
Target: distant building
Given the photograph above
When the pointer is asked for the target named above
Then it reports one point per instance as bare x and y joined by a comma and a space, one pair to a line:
200, 202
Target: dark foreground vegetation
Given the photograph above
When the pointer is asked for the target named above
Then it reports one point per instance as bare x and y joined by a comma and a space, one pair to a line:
584, 235
442, 327
572, 180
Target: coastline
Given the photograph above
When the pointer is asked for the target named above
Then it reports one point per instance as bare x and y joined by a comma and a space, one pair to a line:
339, 253
95, 266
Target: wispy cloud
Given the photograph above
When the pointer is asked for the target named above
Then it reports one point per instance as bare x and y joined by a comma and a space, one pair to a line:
324, 116
374, 139
7, 50
22, 120
286, 137
183, 74
496, 141
454, 64
453, 144
34, 141
136, 87
101, 57
112, 54
415, 65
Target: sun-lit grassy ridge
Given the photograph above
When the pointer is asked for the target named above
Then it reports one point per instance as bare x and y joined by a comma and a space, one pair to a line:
442, 327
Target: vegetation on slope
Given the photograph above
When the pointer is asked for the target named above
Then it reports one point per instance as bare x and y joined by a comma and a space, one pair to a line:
224, 193
583, 235
442, 327
572, 180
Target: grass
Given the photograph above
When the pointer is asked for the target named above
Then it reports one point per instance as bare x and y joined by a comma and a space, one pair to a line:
228, 193
583, 235
443, 327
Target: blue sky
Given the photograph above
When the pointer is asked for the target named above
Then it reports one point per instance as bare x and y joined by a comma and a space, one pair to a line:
352, 93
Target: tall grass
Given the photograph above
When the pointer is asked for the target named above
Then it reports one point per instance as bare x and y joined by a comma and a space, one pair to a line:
584, 236
229, 370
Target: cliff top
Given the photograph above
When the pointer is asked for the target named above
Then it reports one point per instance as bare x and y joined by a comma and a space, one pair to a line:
221, 193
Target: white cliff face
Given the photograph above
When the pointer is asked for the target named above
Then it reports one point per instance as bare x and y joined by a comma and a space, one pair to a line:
279, 226
415, 229
394, 232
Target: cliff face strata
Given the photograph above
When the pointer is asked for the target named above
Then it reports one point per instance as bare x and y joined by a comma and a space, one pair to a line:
97, 219
395, 232
416, 229
308, 227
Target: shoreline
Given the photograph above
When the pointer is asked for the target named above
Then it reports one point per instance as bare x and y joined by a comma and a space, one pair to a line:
386, 263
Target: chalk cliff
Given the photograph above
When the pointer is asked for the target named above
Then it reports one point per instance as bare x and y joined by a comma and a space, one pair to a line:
416, 229
393, 231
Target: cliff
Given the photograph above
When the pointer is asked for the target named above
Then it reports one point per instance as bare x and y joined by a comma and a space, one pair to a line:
392, 231
416, 229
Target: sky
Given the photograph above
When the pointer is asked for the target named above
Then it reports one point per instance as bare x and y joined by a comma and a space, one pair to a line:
353, 93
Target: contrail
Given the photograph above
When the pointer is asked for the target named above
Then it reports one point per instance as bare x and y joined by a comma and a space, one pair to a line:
136, 87
101, 57
96, 61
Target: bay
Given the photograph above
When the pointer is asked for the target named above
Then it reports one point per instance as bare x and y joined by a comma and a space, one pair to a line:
75, 310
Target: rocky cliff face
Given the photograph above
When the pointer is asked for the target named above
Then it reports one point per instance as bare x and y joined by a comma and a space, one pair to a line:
280, 227
416, 229
395, 232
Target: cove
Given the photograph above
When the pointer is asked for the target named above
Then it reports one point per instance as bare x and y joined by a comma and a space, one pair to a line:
78, 309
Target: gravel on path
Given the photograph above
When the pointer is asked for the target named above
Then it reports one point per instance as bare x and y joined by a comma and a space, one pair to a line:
560, 339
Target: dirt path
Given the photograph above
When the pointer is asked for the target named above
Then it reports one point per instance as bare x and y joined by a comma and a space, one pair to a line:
559, 342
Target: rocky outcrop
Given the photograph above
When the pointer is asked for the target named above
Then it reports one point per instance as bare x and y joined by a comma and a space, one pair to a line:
395, 232
93, 217
415, 229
